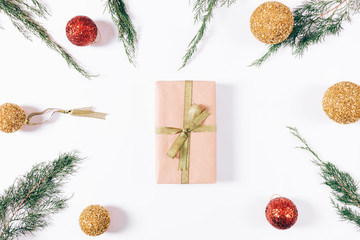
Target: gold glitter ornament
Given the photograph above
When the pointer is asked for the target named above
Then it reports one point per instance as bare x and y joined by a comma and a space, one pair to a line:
341, 102
272, 22
12, 117
94, 220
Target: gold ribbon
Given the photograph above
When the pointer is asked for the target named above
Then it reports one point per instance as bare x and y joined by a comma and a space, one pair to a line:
194, 117
78, 112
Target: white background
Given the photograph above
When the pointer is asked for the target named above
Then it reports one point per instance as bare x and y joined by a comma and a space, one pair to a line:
256, 154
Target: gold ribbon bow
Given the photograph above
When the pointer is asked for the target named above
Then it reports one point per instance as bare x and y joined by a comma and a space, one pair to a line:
194, 117
78, 112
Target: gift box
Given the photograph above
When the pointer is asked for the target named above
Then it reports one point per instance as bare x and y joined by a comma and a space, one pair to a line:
186, 132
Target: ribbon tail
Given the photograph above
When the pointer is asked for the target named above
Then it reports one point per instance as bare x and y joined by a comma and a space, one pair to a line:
184, 160
87, 112
176, 146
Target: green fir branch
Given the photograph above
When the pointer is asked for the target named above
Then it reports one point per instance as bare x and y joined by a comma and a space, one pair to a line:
314, 20
227, 3
21, 15
36, 7
344, 190
27, 205
271, 51
126, 30
203, 11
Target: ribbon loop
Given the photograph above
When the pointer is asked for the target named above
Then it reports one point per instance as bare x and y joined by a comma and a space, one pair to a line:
178, 143
193, 112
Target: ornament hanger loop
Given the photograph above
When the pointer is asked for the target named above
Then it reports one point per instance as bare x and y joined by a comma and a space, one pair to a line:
275, 196
31, 115
98, 38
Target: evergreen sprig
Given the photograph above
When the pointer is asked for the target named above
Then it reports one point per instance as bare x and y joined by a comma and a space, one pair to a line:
21, 14
127, 34
27, 205
344, 189
313, 21
203, 11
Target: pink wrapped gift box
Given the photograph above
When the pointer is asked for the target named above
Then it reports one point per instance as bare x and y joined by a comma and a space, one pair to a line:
170, 112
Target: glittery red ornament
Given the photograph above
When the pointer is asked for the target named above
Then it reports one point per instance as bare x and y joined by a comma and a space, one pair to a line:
81, 31
281, 213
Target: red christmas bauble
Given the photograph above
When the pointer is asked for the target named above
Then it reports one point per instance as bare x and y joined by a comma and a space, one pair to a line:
281, 213
81, 31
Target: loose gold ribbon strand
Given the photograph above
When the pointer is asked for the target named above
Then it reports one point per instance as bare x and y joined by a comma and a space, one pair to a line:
78, 112
194, 117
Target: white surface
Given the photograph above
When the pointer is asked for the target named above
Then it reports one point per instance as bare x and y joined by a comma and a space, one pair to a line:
256, 155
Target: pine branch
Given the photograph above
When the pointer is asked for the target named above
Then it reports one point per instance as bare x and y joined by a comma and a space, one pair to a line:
227, 3
271, 51
126, 30
26, 206
347, 214
314, 20
203, 10
35, 6
344, 189
21, 15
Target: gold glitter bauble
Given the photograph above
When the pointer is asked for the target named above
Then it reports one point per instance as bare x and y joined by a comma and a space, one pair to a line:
94, 220
272, 22
341, 102
12, 117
